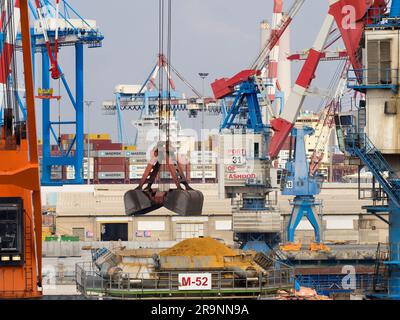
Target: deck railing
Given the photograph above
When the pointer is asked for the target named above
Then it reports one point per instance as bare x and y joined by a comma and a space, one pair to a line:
89, 282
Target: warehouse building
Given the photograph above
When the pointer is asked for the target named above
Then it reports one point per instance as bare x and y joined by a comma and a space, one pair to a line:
96, 213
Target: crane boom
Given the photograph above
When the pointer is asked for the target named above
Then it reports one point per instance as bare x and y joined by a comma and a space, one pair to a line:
351, 32
327, 120
283, 125
40, 9
20, 200
287, 19
225, 87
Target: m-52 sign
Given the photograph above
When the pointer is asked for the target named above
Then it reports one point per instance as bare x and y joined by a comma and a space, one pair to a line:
194, 281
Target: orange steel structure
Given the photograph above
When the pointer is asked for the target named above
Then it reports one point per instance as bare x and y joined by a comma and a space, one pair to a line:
19, 180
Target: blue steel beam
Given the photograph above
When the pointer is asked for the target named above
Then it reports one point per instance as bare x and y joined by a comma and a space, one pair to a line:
79, 87
46, 155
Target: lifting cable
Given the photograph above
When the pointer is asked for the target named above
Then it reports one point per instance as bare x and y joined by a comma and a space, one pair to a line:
161, 71
169, 84
164, 97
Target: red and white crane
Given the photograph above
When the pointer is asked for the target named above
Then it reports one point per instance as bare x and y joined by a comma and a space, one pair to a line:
226, 86
162, 63
52, 53
274, 54
327, 121
350, 18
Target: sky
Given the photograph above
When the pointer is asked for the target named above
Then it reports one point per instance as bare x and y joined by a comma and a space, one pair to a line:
221, 37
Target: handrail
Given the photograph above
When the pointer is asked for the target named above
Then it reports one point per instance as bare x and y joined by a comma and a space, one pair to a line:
362, 146
379, 77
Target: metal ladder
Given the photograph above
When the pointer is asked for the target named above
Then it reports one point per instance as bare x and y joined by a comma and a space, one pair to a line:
28, 257
381, 272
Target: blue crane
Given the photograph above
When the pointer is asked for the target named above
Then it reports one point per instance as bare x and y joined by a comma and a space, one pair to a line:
55, 26
297, 182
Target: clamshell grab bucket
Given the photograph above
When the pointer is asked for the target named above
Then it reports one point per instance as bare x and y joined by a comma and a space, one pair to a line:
138, 202
184, 202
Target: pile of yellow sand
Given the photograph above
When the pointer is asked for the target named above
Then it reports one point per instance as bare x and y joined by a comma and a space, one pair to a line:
199, 247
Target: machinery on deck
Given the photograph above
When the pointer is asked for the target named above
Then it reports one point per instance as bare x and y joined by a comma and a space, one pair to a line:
20, 202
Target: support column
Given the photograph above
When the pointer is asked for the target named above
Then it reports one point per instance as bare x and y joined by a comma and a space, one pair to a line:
79, 152
46, 167
394, 240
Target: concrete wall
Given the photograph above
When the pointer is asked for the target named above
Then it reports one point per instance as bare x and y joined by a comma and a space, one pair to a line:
384, 129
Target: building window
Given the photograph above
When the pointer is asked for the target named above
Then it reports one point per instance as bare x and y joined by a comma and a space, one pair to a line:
189, 230
379, 62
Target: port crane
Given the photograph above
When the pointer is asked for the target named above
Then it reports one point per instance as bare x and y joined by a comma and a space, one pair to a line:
20, 201
182, 200
283, 123
56, 24
145, 98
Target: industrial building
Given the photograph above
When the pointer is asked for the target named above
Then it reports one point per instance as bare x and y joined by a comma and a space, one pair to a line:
88, 210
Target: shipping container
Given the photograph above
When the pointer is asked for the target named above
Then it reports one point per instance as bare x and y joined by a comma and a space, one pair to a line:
134, 167
111, 161
111, 168
199, 174
129, 148
138, 160
207, 167
106, 146
111, 175
106, 153
98, 136
134, 175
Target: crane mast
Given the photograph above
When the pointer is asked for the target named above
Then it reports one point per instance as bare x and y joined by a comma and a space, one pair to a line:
20, 201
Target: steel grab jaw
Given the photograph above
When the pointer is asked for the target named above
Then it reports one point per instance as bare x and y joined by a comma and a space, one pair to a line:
184, 202
138, 202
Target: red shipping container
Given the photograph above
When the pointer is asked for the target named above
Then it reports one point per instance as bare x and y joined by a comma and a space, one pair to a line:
107, 146
100, 141
111, 161
111, 168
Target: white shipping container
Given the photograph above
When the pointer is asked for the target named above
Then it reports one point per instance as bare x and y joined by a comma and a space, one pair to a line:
199, 174
139, 161
207, 167
134, 175
210, 154
134, 167
111, 175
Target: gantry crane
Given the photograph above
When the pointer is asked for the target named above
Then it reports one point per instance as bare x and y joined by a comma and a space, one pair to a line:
20, 203
145, 99
55, 25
